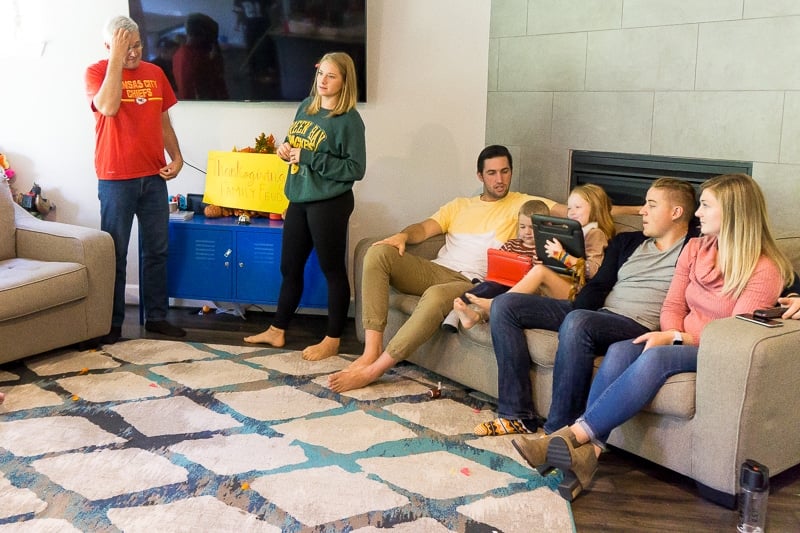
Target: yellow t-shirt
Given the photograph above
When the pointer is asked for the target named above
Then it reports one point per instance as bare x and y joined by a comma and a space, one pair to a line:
472, 226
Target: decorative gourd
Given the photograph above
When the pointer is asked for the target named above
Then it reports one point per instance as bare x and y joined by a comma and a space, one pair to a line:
212, 211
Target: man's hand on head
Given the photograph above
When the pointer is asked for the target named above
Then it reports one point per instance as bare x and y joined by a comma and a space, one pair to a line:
120, 42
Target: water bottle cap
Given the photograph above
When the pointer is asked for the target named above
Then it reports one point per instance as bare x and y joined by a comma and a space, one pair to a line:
754, 476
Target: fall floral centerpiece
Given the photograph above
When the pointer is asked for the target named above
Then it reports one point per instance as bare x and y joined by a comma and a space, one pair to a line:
264, 145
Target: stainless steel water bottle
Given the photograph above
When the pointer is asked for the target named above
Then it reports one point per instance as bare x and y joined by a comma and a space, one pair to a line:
753, 494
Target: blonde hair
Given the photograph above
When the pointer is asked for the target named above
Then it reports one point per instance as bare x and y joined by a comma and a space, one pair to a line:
745, 233
599, 206
533, 207
349, 93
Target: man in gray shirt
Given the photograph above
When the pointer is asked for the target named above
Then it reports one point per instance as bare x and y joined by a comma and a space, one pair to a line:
622, 301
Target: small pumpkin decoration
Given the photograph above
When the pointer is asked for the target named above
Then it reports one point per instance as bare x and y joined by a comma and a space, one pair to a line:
212, 211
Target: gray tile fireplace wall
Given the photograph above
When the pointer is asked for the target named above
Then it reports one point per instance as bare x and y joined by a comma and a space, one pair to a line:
711, 80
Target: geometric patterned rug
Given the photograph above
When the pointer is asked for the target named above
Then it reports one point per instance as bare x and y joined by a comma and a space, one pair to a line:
148, 435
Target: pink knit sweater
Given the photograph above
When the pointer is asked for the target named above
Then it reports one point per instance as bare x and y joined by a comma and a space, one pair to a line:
695, 295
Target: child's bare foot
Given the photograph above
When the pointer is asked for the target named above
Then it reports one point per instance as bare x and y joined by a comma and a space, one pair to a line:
328, 347
466, 315
484, 305
272, 336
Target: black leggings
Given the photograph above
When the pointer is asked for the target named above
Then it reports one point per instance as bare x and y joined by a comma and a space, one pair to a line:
321, 226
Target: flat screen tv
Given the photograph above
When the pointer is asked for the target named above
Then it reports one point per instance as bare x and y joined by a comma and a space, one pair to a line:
242, 50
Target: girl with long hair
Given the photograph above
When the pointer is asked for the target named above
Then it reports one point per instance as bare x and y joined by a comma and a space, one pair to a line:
326, 152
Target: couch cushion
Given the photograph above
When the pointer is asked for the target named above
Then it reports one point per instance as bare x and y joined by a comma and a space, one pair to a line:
7, 225
28, 286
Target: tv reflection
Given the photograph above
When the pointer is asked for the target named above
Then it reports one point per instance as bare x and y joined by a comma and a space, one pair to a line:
250, 50
198, 66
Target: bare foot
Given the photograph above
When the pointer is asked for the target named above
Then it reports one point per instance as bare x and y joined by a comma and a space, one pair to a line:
328, 347
466, 315
372, 351
363, 361
353, 378
484, 305
272, 336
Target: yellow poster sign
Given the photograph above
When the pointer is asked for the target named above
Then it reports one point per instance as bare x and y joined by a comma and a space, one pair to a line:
242, 180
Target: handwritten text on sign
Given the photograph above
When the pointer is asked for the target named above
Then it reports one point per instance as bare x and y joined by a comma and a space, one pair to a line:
242, 180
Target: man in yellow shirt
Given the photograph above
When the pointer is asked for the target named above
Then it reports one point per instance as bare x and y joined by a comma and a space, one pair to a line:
471, 226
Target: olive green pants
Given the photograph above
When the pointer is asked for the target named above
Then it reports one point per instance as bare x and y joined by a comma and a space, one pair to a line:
437, 287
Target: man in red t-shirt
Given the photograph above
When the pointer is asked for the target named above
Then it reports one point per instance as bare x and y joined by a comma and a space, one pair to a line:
130, 99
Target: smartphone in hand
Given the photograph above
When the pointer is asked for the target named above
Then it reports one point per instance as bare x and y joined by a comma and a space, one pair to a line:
766, 322
772, 312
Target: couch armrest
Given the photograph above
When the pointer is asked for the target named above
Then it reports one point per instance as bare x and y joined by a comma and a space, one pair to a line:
44, 240
427, 248
748, 393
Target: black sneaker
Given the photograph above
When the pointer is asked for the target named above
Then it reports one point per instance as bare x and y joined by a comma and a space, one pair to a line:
164, 328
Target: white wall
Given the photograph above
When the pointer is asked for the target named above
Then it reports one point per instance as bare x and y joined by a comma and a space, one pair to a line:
425, 119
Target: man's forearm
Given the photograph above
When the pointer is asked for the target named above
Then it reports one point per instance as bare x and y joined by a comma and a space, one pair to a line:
171, 143
109, 96
415, 233
618, 210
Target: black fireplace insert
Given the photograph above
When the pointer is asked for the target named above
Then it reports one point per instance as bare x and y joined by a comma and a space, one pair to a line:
626, 177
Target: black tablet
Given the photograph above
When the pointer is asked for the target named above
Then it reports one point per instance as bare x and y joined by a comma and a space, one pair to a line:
568, 232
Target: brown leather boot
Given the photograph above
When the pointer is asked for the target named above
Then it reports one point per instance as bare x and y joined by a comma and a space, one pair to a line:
577, 462
534, 450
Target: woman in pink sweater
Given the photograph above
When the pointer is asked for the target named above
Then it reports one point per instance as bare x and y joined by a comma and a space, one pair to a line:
734, 267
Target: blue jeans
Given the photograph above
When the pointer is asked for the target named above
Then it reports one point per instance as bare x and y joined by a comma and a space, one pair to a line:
628, 380
146, 198
583, 335
511, 314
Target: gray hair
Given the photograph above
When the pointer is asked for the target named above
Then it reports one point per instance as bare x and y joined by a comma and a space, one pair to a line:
116, 23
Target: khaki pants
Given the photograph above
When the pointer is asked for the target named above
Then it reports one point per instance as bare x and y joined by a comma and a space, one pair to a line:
437, 286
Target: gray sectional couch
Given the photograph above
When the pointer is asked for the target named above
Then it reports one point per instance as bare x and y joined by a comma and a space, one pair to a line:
741, 404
